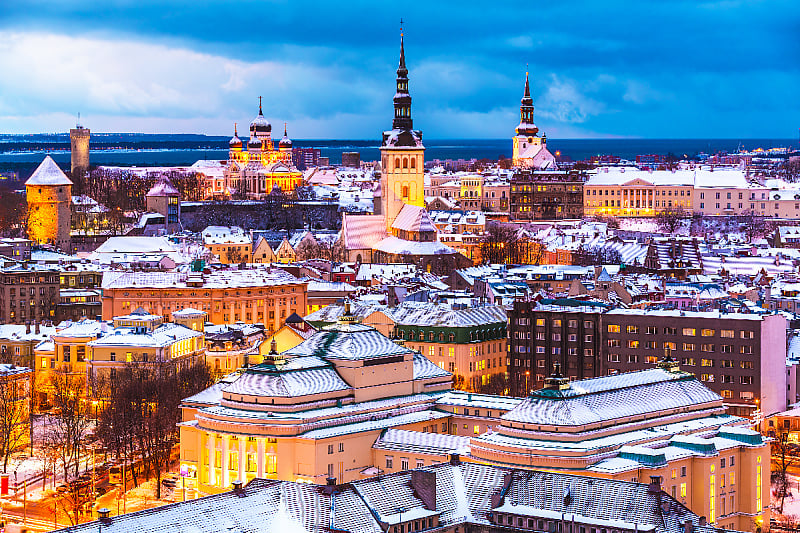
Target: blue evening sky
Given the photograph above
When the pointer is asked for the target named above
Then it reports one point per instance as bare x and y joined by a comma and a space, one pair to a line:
643, 68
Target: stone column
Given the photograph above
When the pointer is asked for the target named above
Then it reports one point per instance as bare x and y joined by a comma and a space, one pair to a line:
225, 466
242, 463
260, 458
212, 455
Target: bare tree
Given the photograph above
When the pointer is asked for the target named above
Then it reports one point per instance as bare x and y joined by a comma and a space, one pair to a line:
670, 219
72, 422
783, 457
142, 412
755, 226
508, 244
15, 416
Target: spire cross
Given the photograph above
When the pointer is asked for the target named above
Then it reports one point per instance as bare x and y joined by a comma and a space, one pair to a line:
259, 106
401, 26
235, 130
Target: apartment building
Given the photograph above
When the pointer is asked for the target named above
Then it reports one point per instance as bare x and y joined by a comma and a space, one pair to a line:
546, 195
467, 342
741, 357
28, 293
543, 334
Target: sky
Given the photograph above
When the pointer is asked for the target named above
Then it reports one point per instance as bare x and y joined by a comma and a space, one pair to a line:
637, 68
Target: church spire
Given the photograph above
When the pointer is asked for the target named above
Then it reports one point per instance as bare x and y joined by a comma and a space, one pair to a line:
402, 100
526, 125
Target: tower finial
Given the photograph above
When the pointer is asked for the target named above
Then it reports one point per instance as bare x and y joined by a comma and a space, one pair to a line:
284, 130
259, 106
235, 130
527, 85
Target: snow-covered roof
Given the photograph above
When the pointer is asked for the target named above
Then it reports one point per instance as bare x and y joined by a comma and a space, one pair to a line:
348, 341
443, 315
413, 218
608, 398
48, 173
397, 246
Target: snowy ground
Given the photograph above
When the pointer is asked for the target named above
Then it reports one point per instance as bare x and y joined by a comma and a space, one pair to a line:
791, 505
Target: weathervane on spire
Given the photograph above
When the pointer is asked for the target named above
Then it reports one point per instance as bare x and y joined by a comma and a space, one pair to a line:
401, 26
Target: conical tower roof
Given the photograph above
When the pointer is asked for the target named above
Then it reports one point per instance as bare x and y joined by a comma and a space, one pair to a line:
48, 173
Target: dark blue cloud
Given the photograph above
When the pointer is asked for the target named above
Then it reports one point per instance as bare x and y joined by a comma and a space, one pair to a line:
666, 68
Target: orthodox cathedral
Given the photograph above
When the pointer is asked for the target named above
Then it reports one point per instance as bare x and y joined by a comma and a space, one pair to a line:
400, 230
530, 150
255, 171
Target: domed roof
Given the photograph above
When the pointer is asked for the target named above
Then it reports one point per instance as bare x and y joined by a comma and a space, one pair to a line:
260, 124
254, 143
235, 141
286, 142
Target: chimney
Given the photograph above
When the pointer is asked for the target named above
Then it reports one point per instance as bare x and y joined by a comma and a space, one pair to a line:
237, 487
104, 514
330, 486
702, 521
27, 327
424, 484
688, 527
655, 485
36, 327
455, 459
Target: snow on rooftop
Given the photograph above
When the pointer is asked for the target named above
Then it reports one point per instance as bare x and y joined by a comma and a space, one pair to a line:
48, 173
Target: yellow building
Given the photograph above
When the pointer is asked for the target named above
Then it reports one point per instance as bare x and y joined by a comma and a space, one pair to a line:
145, 340
230, 244
49, 195
310, 413
633, 193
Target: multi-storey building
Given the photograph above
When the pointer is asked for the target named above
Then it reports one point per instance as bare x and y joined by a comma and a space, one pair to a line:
626, 192
546, 195
660, 424
144, 340
309, 413
741, 357
28, 293
257, 294
446, 497
470, 343
496, 195
541, 335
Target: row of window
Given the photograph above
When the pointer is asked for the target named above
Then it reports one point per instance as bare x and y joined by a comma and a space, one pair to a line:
688, 332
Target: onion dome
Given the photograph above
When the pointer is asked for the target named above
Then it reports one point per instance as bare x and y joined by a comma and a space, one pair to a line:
286, 142
235, 141
254, 143
260, 124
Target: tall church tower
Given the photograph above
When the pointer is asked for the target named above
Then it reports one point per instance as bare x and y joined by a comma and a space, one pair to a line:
526, 143
402, 154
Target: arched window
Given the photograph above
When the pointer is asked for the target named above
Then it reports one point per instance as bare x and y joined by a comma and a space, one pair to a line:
411, 335
405, 162
452, 337
405, 191
441, 337
396, 162
431, 336
413, 162
402, 334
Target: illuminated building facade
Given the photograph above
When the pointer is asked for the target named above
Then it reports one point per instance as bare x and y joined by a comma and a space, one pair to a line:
256, 167
49, 195
255, 295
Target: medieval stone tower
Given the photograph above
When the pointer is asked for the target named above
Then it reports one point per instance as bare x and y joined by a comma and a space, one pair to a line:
49, 195
79, 148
